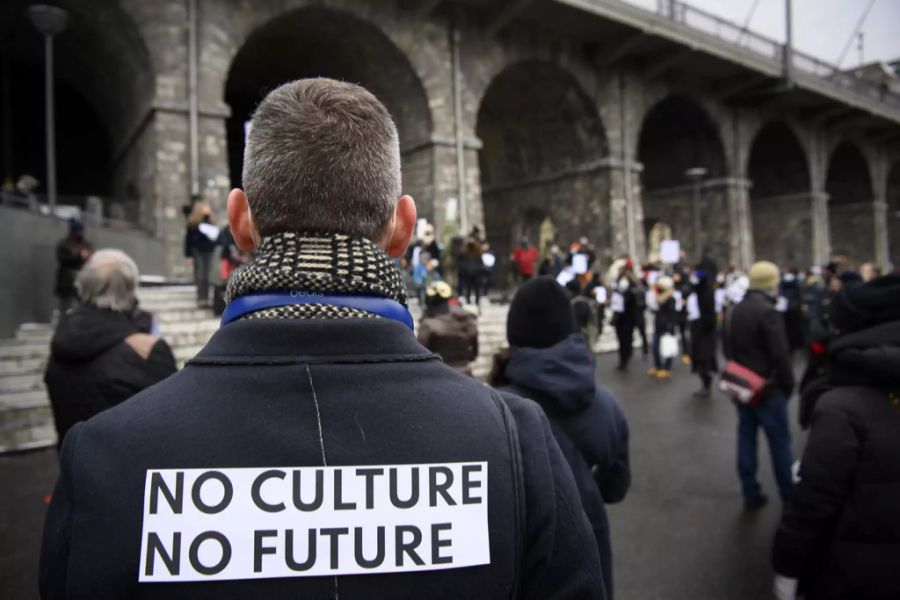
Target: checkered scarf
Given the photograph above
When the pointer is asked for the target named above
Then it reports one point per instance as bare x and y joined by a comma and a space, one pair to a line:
308, 262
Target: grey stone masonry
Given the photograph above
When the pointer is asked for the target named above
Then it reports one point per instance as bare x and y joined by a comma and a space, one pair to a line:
550, 125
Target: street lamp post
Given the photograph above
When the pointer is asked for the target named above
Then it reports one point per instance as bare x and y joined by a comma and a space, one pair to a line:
50, 21
696, 174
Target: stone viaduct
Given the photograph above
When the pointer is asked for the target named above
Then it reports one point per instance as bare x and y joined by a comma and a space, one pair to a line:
588, 112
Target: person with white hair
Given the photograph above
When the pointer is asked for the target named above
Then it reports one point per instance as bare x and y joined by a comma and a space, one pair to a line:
103, 352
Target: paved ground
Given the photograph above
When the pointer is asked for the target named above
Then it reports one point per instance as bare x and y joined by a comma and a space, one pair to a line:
680, 534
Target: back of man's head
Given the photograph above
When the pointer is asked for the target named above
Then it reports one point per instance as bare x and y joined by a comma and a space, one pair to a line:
322, 156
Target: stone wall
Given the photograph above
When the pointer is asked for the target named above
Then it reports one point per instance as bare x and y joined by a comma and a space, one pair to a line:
852, 231
675, 208
576, 204
601, 112
782, 230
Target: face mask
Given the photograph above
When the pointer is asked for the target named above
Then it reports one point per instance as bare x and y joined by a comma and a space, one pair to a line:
694, 279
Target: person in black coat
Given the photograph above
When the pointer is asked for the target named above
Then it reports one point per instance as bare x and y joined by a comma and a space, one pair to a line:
755, 338
313, 448
840, 534
71, 253
626, 299
103, 352
665, 320
703, 318
551, 365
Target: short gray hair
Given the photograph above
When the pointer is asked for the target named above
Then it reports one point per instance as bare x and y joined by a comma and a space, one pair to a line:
322, 156
108, 280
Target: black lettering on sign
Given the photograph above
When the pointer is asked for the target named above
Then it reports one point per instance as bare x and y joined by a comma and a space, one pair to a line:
172, 560
437, 543
257, 485
440, 488
317, 500
334, 533
468, 485
158, 484
194, 553
339, 503
370, 474
289, 560
227, 489
361, 560
414, 488
259, 550
403, 547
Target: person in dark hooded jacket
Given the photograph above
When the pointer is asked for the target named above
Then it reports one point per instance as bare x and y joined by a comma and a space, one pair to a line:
702, 316
102, 352
550, 364
840, 534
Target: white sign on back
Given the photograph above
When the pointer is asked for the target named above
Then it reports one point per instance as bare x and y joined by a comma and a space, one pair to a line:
670, 251
258, 523
579, 263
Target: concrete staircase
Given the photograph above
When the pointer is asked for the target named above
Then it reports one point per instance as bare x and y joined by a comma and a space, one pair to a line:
26, 421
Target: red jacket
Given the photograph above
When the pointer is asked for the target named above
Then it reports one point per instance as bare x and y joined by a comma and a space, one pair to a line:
525, 259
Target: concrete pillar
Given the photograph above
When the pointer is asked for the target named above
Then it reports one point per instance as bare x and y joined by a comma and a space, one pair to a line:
880, 221
626, 212
739, 218
821, 234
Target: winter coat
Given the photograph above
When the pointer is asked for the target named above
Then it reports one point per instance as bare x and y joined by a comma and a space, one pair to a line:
279, 394
196, 240
69, 261
665, 317
95, 363
586, 421
756, 339
841, 532
703, 330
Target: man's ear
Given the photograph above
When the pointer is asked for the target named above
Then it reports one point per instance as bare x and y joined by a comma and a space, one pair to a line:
242, 226
400, 230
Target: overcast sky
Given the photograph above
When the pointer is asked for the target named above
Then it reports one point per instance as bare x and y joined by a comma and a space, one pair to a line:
821, 27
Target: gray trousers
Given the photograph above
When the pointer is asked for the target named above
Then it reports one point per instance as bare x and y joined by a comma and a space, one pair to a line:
202, 273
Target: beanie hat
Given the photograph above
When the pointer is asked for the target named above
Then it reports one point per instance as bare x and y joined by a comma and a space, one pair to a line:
764, 275
540, 315
862, 305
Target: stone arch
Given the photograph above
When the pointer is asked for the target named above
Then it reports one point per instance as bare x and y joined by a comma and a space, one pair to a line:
848, 183
104, 84
893, 214
780, 196
678, 134
320, 42
544, 151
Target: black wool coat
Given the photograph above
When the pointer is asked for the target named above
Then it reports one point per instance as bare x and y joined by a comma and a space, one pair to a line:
92, 368
282, 393
841, 532
756, 338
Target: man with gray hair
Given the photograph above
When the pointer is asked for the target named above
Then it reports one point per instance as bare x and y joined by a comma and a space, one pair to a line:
313, 448
102, 352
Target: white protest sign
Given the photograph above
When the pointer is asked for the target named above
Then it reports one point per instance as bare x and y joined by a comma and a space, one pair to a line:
617, 303
693, 308
579, 263
600, 294
670, 251
258, 523
209, 230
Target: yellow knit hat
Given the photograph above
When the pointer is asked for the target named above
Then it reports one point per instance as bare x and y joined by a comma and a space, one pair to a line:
764, 276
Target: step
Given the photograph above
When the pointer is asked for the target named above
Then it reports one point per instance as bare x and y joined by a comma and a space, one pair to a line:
179, 315
23, 399
14, 364
26, 429
26, 379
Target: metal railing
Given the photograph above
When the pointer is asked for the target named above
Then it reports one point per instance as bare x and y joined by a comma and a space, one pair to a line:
730, 32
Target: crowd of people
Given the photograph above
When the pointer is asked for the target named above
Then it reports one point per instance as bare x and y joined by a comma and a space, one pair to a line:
316, 367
